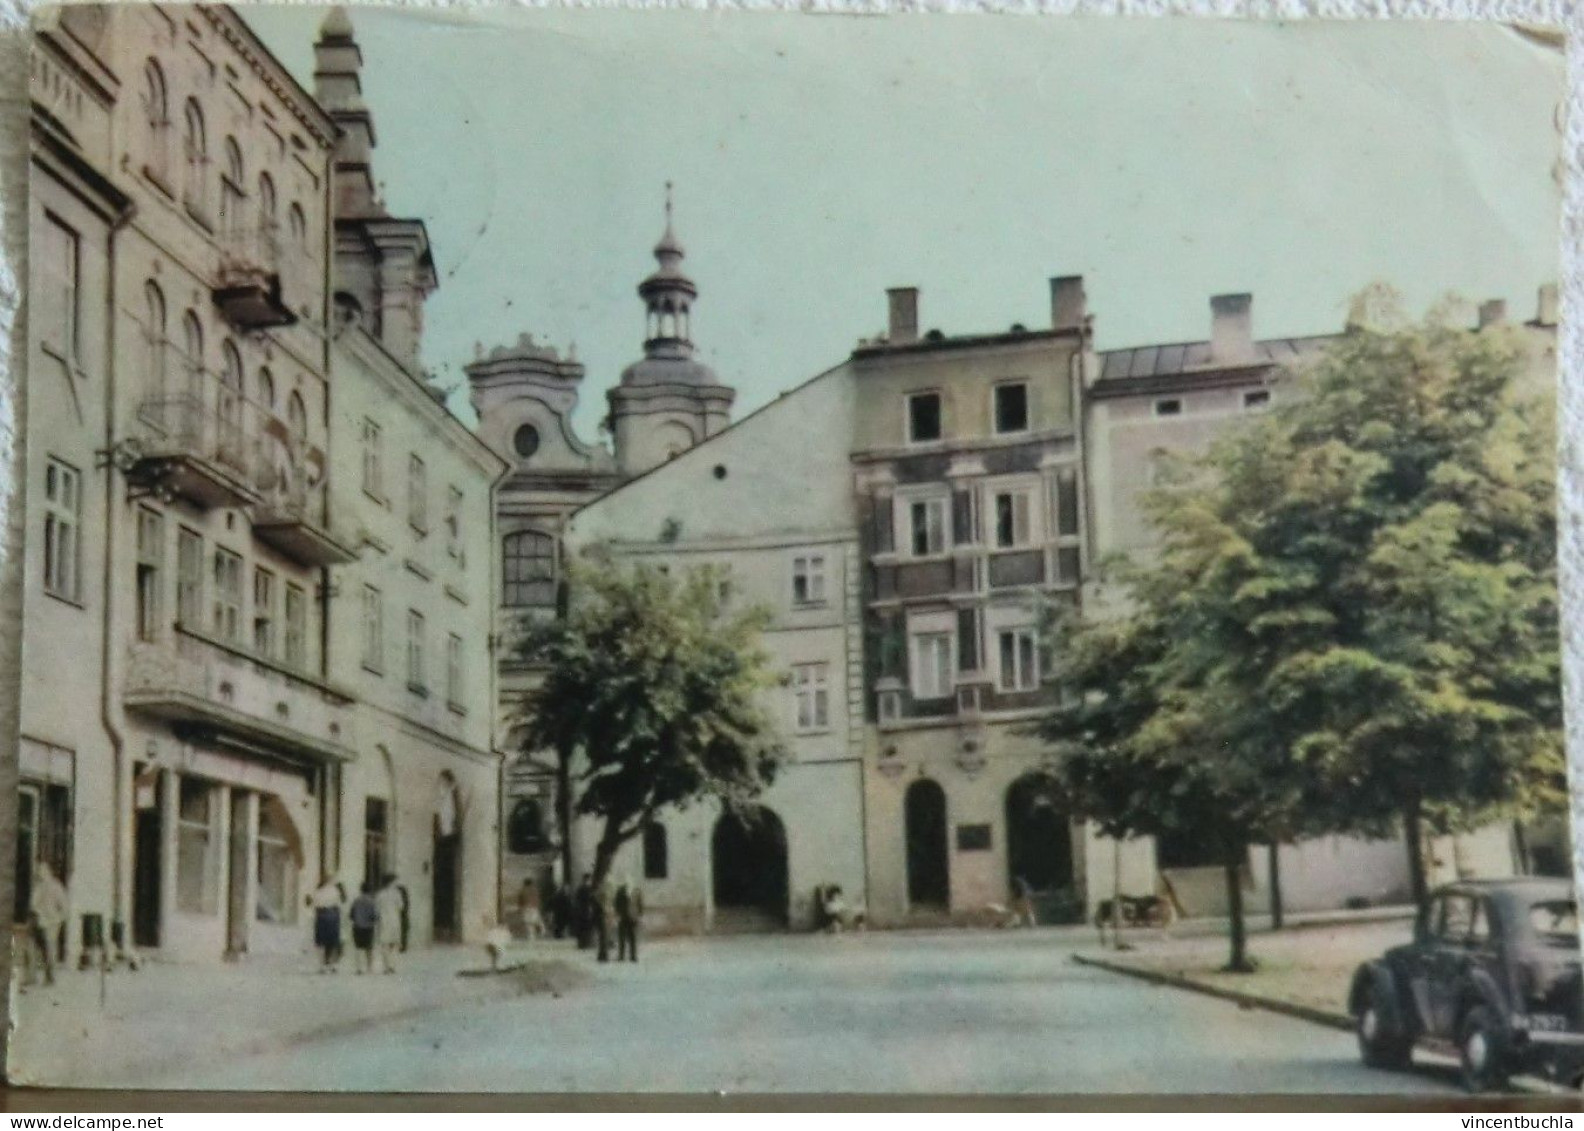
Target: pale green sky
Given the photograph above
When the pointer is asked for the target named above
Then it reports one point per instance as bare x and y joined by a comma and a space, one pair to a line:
820, 159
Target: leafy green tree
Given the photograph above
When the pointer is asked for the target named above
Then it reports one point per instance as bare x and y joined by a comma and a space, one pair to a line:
651, 698
1351, 619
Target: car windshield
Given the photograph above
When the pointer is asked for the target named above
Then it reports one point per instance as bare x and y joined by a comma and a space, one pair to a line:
1556, 921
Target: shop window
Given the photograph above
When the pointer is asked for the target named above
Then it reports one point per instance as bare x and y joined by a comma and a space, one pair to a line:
279, 863
197, 858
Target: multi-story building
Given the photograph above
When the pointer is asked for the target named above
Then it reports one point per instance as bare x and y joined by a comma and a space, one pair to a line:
193, 738
413, 614
769, 507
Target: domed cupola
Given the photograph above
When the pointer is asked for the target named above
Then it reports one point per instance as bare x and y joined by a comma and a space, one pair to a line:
668, 400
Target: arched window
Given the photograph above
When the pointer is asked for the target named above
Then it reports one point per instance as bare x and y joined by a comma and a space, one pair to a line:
231, 183
297, 225
195, 147
156, 113
297, 416
266, 204
528, 569
228, 398
264, 390
192, 342
656, 852
525, 831
154, 340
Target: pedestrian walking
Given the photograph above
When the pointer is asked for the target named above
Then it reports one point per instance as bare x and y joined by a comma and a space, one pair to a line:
327, 904
47, 918
388, 928
583, 912
561, 911
406, 916
604, 914
1022, 903
629, 917
365, 919
528, 908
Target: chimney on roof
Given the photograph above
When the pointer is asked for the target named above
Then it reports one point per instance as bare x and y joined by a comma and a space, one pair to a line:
903, 327
1069, 305
1492, 312
1231, 328
1546, 313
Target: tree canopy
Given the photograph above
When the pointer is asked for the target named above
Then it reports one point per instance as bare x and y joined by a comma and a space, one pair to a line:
650, 697
1351, 622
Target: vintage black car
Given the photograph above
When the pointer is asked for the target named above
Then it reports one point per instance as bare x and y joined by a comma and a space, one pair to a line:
1494, 969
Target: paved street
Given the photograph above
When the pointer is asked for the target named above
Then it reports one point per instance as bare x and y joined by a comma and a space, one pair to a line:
948, 1011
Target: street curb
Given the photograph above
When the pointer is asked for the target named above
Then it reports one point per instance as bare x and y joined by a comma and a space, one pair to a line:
1248, 1001
1326, 1017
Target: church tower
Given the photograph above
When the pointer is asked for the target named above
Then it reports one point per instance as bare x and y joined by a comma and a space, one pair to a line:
669, 400
383, 267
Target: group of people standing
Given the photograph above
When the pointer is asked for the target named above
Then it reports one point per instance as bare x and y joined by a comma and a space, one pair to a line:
379, 919
592, 914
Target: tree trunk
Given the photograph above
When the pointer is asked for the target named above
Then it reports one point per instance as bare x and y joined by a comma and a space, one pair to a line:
563, 800
1238, 962
605, 856
1413, 839
1276, 909
1521, 847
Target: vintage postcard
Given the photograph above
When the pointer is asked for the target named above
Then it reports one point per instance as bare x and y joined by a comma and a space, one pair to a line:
660, 551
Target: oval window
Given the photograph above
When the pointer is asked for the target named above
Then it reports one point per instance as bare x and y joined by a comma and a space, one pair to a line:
526, 441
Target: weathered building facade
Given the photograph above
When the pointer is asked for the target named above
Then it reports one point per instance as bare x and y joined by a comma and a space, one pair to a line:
190, 730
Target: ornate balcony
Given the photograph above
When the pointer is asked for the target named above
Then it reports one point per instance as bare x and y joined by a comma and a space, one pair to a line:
217, 692
248, 285
293, 520
204, 448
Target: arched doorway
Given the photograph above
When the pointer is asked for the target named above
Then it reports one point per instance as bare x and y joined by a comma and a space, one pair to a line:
927, 867
446, 870
748, 855
1039, 838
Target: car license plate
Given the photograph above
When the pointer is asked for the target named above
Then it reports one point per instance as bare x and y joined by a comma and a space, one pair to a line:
1548, 1022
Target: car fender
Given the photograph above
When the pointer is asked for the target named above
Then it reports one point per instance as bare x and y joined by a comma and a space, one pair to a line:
1378, 976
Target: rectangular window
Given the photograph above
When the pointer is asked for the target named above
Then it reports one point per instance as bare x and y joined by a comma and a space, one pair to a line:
263, 611
1011, 408
189, 578
150, 572
453, 522
376, 851
965, 518
227, 596
62, 530
929, 527
924, 417
656, 852
454, 688
276, 896
811, 692
417, 495
296, 626
1012, 510
373, 629
1067, 502
967, 640
59, 258
808, 579
197, 860
932, 665
1067, 565
1019, 669
1256, 399
1170, 406
415, 650
373, 473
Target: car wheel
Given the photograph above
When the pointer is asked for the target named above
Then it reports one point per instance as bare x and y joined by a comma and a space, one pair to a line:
1482, 1051
1380, 1045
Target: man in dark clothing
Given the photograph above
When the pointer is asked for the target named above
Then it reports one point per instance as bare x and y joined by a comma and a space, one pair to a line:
629, 913
583, 912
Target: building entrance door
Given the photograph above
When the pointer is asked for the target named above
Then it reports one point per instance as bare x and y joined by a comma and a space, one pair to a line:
927, 866
1039, 843
147, 836
237, 910
447, 861
26, 851
748, 855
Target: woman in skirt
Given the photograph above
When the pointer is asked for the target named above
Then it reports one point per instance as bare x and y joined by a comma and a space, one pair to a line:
327, 902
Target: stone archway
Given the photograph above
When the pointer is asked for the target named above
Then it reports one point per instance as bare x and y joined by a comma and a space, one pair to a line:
1038, 838
748, 856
